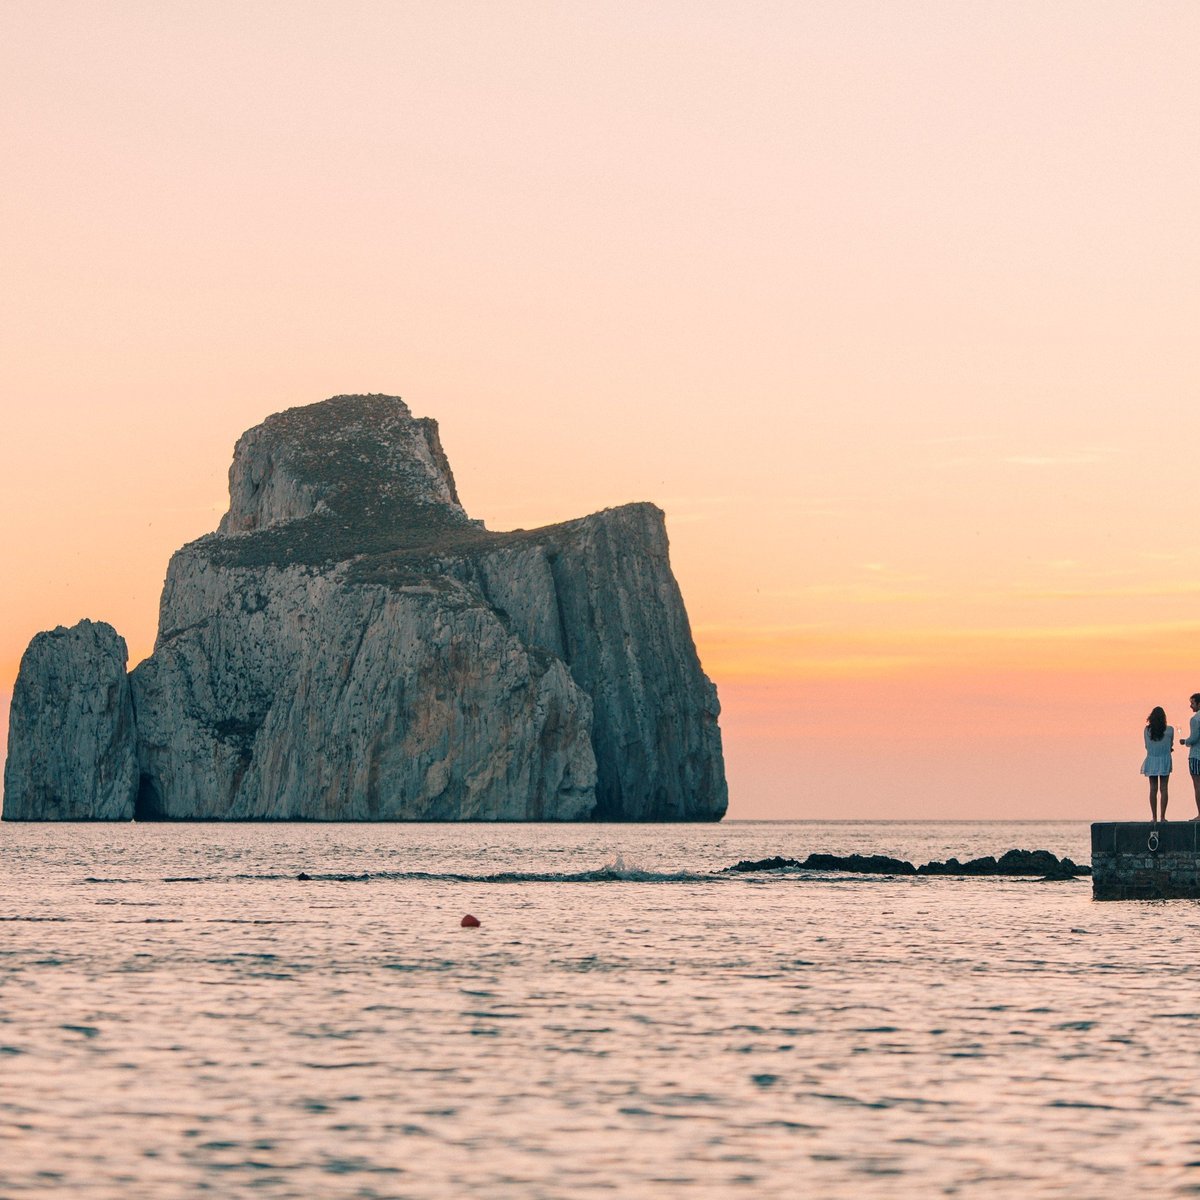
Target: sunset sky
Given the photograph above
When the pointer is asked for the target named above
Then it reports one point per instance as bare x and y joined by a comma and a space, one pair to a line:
892, 307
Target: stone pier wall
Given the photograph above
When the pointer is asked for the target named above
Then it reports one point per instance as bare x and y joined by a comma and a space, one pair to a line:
1135, 860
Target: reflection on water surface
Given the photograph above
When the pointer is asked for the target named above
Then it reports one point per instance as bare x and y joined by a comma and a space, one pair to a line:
240, 1032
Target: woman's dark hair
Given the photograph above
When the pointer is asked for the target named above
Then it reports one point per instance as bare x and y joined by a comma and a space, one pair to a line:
1157, 720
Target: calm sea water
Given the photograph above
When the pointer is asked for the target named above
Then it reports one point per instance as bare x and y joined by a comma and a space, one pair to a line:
181, 1016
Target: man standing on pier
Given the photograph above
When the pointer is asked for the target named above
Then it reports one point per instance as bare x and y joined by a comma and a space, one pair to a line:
1192, 742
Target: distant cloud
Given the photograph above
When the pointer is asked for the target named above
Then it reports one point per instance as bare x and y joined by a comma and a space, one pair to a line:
814, 635
882, 585
1085, 456
805, 653
822, 506
888, 591
1131, 591
958, 439
1071, 458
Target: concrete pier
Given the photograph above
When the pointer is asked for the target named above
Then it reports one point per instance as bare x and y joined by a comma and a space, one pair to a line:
1135, 860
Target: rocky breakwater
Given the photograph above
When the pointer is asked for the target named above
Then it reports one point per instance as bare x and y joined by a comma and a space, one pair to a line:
1012, 863
350, 645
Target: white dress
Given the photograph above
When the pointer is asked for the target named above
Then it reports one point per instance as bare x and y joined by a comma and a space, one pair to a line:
1158, 754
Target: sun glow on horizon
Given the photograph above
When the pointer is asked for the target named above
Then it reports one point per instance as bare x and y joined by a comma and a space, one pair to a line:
889, 308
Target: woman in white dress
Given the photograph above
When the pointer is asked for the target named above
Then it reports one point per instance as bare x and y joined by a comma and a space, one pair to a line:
1160, 742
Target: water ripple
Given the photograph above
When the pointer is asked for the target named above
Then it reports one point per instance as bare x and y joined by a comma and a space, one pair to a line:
197, 1019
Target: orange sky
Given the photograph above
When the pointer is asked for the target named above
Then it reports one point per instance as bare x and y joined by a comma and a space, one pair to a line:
891, 306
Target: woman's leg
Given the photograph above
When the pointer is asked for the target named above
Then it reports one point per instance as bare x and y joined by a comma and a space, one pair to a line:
1154, 798
1162, 792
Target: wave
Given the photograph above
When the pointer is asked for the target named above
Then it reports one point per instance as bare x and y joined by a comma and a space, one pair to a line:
1014, 863
605, 874
617, 871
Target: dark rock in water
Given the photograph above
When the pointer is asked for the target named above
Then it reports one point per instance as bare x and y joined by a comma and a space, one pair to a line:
72, 748
862, 864
974, 866
950, 867
764, 864
1066, 869
350, 645
1027, 862
1015, 862
873, 864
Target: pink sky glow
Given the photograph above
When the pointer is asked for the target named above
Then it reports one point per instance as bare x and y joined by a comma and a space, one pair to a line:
891, 306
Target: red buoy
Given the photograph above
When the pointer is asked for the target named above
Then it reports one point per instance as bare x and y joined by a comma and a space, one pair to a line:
469, 922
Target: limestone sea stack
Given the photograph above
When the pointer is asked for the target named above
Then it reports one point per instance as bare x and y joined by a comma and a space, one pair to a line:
350, 645
72, 749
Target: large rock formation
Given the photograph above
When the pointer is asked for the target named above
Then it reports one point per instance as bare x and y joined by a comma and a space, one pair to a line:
350, 645
72, 750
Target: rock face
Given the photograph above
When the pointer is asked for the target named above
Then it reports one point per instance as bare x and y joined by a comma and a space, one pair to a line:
72, 750
286, 692
350, 645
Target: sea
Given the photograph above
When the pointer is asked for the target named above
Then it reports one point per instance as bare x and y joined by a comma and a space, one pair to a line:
182, 1015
